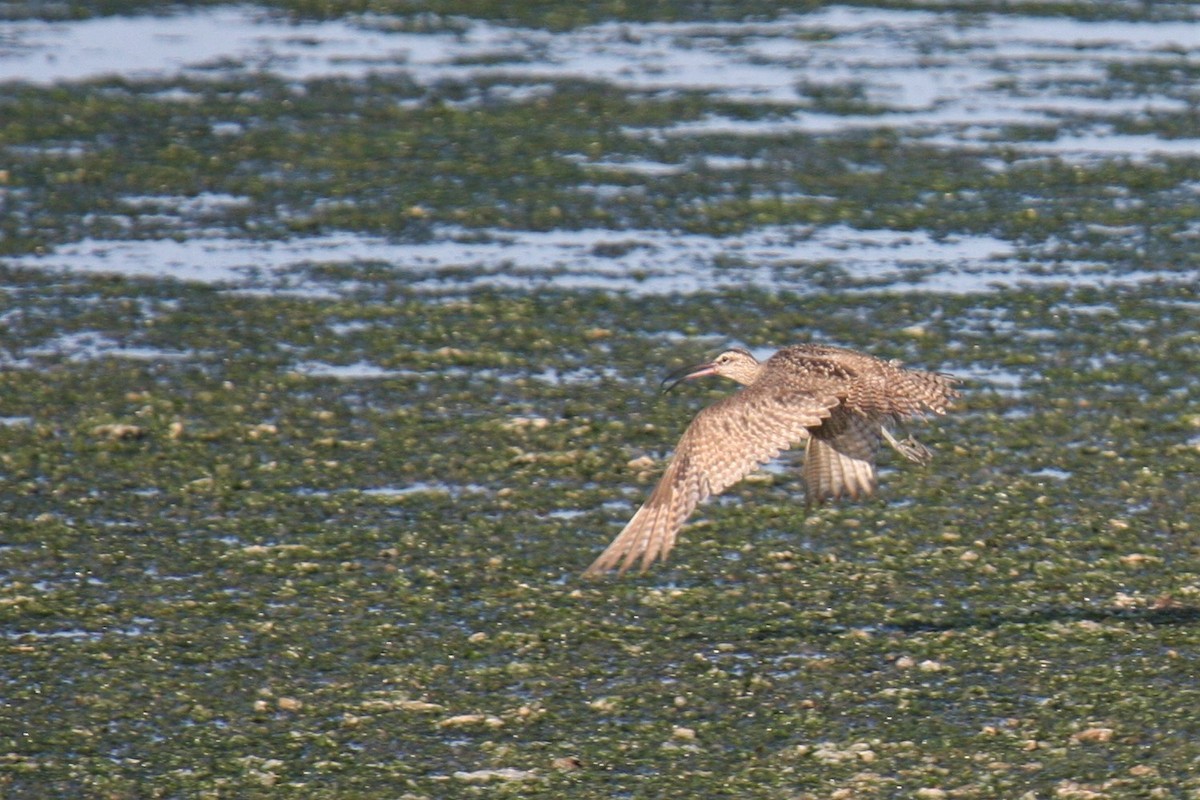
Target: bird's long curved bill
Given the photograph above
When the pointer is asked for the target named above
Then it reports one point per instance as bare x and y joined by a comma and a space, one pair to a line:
686, 374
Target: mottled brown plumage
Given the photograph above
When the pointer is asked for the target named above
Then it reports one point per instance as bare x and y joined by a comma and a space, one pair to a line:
837, 401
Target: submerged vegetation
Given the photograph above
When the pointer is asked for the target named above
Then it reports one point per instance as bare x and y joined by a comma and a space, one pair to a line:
326, 541
227, 571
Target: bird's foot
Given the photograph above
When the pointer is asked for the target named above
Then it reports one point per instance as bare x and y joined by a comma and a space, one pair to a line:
910, 448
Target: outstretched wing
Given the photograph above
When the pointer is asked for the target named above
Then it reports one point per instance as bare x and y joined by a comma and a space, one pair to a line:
840, 458
724, 442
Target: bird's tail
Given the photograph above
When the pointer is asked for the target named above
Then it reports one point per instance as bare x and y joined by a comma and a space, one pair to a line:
933, 391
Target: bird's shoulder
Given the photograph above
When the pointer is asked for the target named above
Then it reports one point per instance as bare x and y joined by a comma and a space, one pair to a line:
819, 366
767, 403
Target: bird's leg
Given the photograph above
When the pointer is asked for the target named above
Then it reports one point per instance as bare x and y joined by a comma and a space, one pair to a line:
910, 448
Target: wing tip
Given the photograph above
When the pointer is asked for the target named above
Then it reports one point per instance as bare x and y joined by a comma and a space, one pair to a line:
606, 565
644, 539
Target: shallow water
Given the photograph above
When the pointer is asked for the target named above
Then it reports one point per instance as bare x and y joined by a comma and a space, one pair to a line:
331, 356
945, 79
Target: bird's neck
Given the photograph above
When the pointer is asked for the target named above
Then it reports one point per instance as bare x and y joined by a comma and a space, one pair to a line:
750, 376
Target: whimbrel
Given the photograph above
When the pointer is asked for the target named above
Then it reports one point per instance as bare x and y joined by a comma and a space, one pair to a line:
838, 402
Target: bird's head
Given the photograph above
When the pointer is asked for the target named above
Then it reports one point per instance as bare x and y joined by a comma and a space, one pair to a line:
736, 363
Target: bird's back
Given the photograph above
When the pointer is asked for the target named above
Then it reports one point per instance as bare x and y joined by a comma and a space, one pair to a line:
864, 384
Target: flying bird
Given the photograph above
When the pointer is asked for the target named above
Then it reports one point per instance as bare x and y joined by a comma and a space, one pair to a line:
837, 402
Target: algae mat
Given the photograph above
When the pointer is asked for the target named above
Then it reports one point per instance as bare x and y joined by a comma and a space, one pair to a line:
230, 573
320, 391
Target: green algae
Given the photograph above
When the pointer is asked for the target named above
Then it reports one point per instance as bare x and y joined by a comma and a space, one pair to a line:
226, 573
338, 145
223, 606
